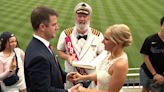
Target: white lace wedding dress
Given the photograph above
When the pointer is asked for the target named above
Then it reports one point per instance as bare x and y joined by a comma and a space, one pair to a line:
103, 77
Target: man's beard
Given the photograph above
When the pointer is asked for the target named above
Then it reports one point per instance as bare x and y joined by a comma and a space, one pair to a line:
82, 27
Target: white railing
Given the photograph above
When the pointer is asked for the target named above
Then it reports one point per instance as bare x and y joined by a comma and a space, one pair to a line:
132, 83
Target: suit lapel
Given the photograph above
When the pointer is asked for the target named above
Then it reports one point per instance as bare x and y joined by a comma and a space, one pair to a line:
55, 59
50, 55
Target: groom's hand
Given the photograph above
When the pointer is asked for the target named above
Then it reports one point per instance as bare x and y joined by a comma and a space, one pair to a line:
74, 88
70, 76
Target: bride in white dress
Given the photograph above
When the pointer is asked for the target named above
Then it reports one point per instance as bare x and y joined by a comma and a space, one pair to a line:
111, 73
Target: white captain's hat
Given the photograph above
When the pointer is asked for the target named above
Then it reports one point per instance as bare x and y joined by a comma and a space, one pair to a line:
83, 8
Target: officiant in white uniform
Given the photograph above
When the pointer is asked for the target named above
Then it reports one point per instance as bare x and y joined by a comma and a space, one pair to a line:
80, 42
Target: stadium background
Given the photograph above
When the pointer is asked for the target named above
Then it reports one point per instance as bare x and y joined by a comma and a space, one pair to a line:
142, 16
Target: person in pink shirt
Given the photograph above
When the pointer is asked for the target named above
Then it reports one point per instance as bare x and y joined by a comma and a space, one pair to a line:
10, 55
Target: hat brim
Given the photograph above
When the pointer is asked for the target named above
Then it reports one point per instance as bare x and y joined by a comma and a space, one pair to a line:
82, 12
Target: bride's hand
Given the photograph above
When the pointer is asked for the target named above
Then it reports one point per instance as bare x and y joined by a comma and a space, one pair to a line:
77, 77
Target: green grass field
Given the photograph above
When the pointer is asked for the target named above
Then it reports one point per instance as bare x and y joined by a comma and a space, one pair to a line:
142, 16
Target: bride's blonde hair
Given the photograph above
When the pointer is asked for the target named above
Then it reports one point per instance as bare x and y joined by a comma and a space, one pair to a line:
119, 33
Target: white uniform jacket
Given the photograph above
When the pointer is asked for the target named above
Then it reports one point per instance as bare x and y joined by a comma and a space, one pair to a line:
92, 47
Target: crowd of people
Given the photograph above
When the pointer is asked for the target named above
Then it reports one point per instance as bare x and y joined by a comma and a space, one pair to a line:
38, 69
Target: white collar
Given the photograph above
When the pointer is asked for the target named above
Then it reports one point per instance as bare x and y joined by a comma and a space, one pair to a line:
45, 42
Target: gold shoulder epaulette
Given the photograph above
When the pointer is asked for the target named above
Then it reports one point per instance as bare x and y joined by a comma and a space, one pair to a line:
68, 31
95, 32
